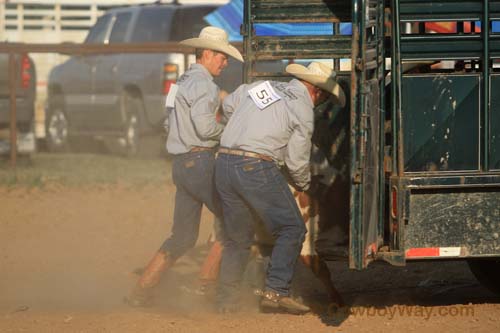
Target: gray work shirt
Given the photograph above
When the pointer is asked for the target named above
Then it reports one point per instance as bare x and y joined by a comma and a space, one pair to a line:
192, 121
282, 130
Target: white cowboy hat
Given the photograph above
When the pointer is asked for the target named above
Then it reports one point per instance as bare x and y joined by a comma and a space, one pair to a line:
216, 39
321, 76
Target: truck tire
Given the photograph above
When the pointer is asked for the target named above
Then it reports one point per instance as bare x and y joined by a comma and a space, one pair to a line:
132, 127
134, 142
487, 272
56, 129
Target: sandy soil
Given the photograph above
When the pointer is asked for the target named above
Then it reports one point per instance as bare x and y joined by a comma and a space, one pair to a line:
67, 257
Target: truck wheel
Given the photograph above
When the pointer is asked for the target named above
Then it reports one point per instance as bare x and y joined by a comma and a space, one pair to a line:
487, 272
133, 141
132, 130
56, 129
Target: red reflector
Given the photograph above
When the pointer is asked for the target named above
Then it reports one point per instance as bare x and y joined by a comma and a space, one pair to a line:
422, 252
170, 72
26, 82
25, 71
170, 68
166, 86
26, 63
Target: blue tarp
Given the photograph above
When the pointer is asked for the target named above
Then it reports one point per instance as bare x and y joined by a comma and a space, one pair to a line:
495, 26
230, 17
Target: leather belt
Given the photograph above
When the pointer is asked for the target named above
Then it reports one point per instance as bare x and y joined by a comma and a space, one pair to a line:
198, 149
239, 152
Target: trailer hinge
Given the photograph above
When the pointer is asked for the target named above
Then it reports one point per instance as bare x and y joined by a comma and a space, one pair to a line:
358, 177
243, 30
360, 65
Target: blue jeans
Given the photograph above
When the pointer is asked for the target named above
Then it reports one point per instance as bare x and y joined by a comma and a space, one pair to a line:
250, 186
193, 176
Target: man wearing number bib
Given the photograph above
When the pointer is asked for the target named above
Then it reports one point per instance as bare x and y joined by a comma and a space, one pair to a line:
270, 125
193, 135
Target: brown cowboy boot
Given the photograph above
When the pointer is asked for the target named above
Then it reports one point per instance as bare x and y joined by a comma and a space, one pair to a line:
141, 295
272, 302
210, 269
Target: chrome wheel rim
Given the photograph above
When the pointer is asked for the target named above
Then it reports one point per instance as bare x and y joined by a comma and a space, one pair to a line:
58, 128
132, 133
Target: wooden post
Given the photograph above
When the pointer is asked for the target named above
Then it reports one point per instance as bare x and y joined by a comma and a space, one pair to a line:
58, 21
13, 118
93, 14
20, 20
2, 21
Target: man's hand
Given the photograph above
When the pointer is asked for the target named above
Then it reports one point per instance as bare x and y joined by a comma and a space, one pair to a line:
222, 94
219, 114
303, 199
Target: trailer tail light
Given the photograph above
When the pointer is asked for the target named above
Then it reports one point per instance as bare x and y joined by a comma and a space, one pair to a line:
170, 73
434, 252
394, 202
25, 71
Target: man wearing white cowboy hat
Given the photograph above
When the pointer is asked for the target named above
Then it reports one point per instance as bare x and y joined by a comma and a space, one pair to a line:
270, 124
193, 134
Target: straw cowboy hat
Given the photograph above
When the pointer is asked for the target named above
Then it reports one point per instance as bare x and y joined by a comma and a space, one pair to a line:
319, 75
213, 38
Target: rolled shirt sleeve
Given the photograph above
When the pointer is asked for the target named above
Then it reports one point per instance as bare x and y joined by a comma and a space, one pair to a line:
203, 107
298, 151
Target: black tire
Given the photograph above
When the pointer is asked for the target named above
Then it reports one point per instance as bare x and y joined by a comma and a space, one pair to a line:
487, 272
134, 142
56, 129
132, 129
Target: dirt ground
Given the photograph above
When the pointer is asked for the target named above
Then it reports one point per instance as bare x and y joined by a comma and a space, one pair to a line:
67, 255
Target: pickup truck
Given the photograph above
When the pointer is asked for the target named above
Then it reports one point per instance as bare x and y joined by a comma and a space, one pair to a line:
119, 98
25, 76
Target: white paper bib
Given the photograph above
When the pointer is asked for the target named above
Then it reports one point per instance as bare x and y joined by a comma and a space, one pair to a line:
263, 95
170, 100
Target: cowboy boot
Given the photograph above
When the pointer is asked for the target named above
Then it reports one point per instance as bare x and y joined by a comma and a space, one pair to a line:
210, 268
141, 295
274, 302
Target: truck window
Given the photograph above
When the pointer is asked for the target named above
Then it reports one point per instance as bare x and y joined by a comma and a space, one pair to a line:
153, 25
119, 28
98, 33
188, 22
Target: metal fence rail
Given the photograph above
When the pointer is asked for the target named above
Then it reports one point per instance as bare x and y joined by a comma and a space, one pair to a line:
76, 49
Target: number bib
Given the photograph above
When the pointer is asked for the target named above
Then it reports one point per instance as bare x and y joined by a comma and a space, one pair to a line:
170, 100
263, 95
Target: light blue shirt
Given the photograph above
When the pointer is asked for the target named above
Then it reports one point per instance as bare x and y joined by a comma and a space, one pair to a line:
282, 130
191, 123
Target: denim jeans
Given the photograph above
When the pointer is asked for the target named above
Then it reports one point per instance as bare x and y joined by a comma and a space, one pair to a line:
250, 186
193, 176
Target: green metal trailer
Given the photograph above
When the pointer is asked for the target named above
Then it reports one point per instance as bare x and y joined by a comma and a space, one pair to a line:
424, 127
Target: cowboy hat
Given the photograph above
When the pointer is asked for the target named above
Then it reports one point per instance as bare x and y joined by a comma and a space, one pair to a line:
213, 38
319, 75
